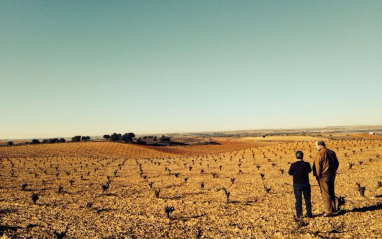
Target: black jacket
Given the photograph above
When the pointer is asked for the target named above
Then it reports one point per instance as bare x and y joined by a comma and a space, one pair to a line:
300, 171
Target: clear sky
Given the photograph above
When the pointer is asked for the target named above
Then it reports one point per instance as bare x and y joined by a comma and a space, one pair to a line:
98, 67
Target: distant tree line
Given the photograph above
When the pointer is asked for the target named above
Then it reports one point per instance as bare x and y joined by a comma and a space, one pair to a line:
127, 137
46, 141
79, 138
130, 138
153, 140
115, 137
60, 140
164, 139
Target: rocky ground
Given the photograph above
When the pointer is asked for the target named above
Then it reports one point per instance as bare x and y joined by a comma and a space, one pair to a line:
239, 189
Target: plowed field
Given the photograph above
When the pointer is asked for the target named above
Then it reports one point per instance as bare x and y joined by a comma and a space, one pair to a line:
239, 189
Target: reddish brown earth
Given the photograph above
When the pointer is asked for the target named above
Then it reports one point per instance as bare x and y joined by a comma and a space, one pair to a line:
144, 180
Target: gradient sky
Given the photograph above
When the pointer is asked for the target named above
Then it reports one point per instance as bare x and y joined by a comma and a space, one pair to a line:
98, 67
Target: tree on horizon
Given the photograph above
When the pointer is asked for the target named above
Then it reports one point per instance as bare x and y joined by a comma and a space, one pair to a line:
128, 137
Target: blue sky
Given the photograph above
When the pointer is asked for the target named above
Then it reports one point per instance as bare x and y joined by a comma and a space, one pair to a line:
97, 67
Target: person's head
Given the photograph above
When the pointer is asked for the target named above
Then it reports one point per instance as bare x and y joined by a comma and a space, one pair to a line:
299, 155
320, 144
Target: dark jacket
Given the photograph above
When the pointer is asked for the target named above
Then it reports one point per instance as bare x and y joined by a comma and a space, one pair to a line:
300, 171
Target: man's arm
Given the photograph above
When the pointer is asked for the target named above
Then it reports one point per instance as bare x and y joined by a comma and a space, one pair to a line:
291, 169
309, 169
315, 173
335, 162
318, 164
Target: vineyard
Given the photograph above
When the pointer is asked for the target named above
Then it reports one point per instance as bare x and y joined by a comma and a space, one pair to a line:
238, 189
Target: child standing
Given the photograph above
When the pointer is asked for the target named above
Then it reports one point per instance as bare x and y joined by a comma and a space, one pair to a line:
300, 171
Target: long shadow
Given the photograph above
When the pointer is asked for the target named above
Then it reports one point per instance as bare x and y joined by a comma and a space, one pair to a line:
7, 210
3, 228
371, 208
375, 207
181, 196
107, 195
171, 198
99, 210
245, 203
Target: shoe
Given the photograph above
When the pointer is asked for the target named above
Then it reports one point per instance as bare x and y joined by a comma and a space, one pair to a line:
296, 218
309, 216
328, 214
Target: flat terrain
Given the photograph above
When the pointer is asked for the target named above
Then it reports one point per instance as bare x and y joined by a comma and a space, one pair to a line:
239, 189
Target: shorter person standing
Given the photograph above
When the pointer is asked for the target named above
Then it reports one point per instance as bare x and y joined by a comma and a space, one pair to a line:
300, 171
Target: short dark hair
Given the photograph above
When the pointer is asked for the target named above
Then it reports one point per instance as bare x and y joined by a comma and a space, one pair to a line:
321, 142
299, 155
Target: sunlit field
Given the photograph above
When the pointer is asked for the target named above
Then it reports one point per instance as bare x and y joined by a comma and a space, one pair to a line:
239, 189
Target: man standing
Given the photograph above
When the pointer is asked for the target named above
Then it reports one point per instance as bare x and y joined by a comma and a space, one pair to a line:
300, 171
324, 168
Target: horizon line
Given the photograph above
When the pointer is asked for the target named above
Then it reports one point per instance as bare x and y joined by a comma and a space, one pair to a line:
219, 131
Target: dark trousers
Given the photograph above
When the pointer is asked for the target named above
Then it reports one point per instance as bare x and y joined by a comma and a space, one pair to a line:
300, 189
328, 193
